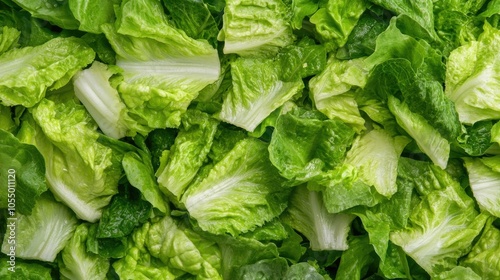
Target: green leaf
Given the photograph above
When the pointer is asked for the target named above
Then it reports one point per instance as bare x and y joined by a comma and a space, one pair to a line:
343, 189
355, 261
274, 230
101, 46
332, 90
416, 17
188, 153
8, 38
44, 233
6, 121
140, 174
255, 27
139, 264
459, 272
471, 77
420, 87
380, 220
292, 248
81, 172
257, 91
477, 138
77, 263
308, 215
23, 270
301, 61
105, 247
54, 11
335, 20
362, 39
304, 145
239, 251
194, 18
182, 248
302, 9
158, 141
26, 73
226, 137
122, 215
483, 258
442, 224
240, 192
23, 175
484, 173
303, 270
263, 269
91, 14
428, 139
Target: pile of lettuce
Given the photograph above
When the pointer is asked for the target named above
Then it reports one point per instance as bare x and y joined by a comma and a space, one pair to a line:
250, 139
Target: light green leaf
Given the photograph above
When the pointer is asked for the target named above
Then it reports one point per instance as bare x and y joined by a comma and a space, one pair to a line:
23, 270
26, 73
9, 38
255, 27
240, 192
257, 91
81, 172
308, 215
77, 262
332, 90
182, 248
163, 68
305, 145
442, 225
336, 19
55, 11
187, 155
484, 177
44, 233
427, 137
484, 256
93, 89
92, 13
375, 155
472, 77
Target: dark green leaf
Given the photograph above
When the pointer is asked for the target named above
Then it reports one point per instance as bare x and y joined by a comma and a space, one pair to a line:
263, 270
121, 216
355, 261
22, 174
194, 17
158, 141
101, 46
301, 61
105, 247
476, 140
361, 41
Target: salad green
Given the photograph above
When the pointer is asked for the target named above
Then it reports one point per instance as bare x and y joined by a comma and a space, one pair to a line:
249, 139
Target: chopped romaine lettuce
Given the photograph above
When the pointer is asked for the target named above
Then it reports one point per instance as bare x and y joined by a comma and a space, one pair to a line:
249, 139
